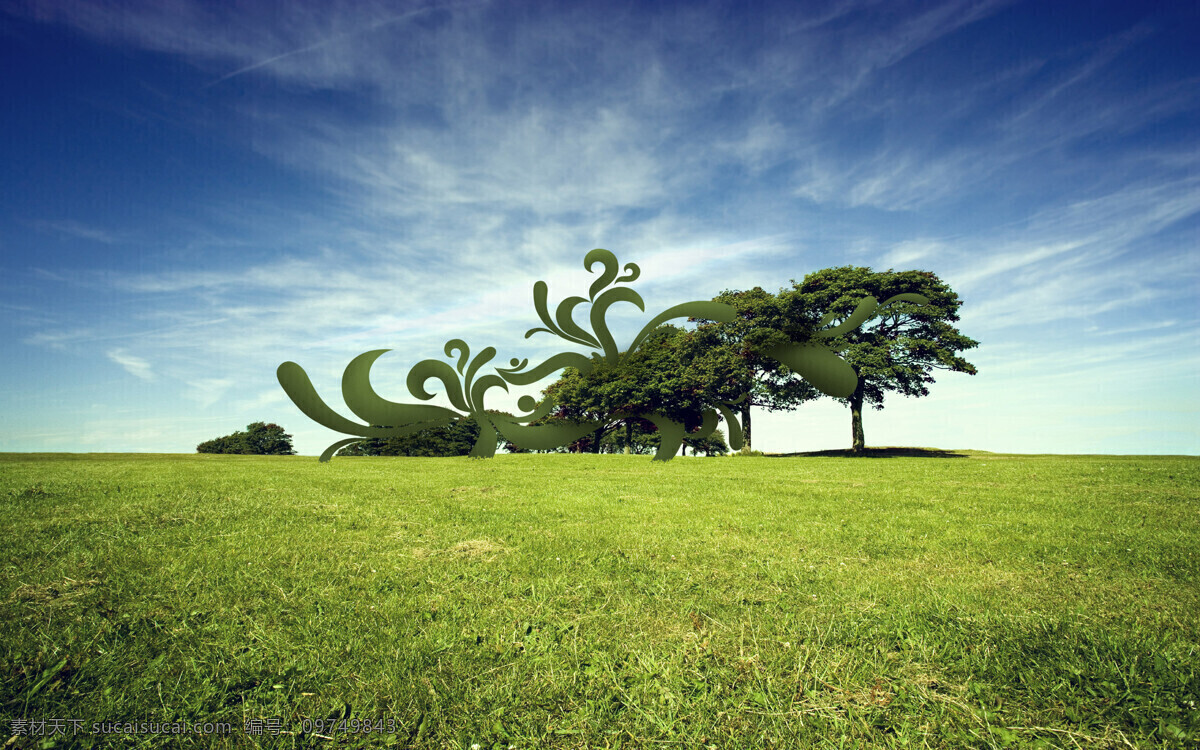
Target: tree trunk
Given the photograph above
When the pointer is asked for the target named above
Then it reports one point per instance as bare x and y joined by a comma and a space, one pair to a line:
746, 425
858, 439
683, 449
596, 440
628, 436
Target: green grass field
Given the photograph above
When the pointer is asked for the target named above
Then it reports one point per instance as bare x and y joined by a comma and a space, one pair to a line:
529, 601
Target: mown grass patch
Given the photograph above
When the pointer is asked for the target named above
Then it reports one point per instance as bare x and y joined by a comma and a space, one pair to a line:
607, 601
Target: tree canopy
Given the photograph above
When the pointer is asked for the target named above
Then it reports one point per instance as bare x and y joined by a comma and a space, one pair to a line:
761, 320
899, 348
675, 373
259, 438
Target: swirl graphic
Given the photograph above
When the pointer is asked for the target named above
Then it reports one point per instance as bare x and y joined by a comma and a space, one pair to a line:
815, 361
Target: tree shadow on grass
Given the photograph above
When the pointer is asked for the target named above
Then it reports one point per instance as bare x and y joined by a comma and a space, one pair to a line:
878, 453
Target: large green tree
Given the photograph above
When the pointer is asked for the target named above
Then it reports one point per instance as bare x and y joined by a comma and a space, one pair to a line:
675, 373
761, 321
896, 350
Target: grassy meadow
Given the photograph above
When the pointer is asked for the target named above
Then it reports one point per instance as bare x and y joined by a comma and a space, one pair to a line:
561, 601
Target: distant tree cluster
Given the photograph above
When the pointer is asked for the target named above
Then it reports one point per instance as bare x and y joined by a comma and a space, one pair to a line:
259, 438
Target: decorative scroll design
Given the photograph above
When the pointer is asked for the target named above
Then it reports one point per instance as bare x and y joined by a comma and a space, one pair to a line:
815, 361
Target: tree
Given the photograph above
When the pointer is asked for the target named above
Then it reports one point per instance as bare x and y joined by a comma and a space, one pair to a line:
899, 348
454, 439
639, 437
259, 438
674, 373
234, 443
577, 398
714, 443
761, 320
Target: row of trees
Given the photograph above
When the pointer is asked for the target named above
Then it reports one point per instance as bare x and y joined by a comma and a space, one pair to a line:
679, 373
264, 439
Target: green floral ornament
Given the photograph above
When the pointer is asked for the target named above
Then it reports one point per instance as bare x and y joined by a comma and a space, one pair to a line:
815, 361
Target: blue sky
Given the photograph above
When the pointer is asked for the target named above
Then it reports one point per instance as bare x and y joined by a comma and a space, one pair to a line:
194, 192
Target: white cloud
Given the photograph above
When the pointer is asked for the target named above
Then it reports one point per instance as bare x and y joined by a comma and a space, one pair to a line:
208, 391
73, 228
474, 157
135, 366
907, 254
59, 339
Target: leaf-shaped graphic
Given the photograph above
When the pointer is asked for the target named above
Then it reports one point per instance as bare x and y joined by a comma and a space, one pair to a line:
481, 386
568, 325
300, 390
485, 444
866, 308
541, 294
611, 266
600, 309
464, 351
718, 311
542, 437
536, 410
916, 299
328, 452
707, 427
432, 368
564, 359
631, 273
819, 365
482, 359
376, 410
671, 433
735, 427
670, 436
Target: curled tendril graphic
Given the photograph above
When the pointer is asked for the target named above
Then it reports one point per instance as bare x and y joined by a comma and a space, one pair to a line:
815, 361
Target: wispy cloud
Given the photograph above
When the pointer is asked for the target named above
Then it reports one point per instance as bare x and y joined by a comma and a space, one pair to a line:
135, 366
896, 33
340, 37
71, 228
208, 391
461, 151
